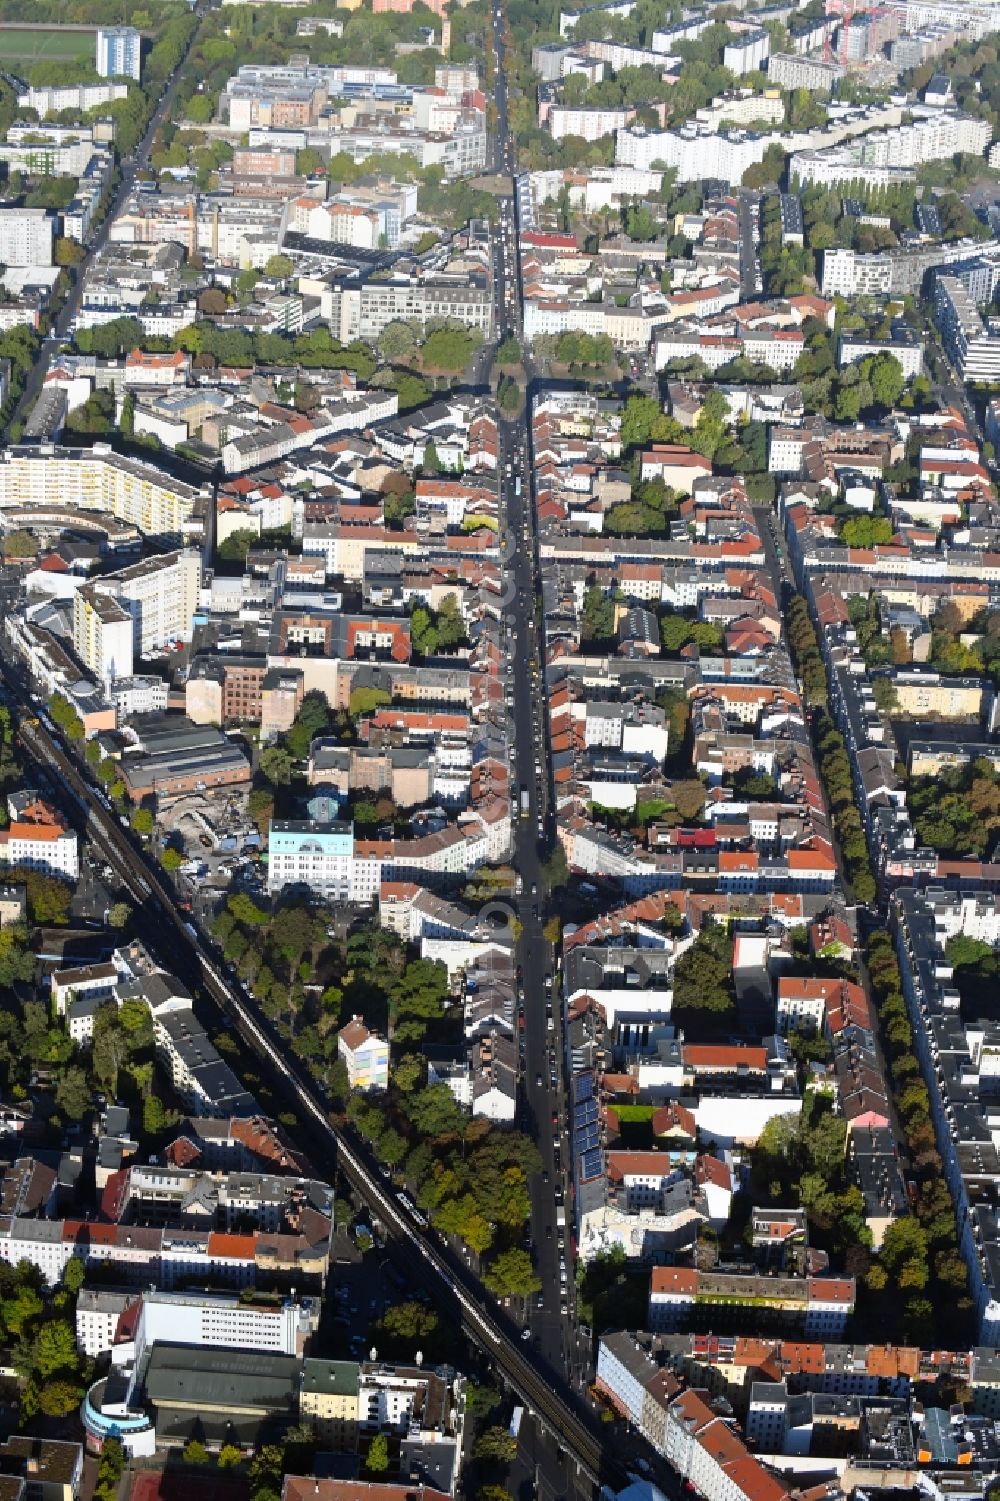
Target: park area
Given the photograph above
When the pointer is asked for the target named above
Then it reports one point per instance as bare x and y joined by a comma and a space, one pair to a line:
20, 44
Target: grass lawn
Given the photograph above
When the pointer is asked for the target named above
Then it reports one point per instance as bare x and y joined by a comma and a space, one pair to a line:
635, 1114
53, 42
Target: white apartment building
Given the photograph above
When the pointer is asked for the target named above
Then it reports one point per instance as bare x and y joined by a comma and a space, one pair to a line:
224, 1320
789, 71
363, 312
589, 124
342, 222
849, 273
746, 53
619, 55
605, 186
629, 728
854, 348
170, 431
786, 449
159, 595
883, 155
958, 15
102, 634
742, 108
98, 1311
555, 316
974, 345
846, 274
694, 152
842, 165
26, 237
779, 349
119, 52
69, 985
461, 152
391, 1398
43, 154
569, 17
82, 96
37, 839
456, 78
433, 113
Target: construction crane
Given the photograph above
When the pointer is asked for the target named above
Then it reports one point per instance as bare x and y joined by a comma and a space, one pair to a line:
845, 10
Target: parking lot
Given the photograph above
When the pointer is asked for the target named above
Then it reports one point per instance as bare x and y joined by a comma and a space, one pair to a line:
364, 1285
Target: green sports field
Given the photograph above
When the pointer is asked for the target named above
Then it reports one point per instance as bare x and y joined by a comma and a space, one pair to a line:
47, 44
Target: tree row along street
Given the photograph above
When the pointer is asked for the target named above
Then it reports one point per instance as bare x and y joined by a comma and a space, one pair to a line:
442, 1273
538, 1376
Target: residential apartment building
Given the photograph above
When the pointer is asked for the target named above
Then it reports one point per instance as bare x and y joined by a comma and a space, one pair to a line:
26, 237
697, 1443
47, 151
742, 107
789, 71
747, 52
119, 52
226, 690
47, 1469
908, 352
160, 596
137, 695
262, 161
52, 98
136, 1255
891, 155
972, 341
848, 273
588, 124
196, 1071
820, 1306
36, 838
693, 152
364, 312
71, 481
365, 1054
346, 1401
103, 634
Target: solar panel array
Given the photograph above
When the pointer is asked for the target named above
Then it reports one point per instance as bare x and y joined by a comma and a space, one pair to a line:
591, 1165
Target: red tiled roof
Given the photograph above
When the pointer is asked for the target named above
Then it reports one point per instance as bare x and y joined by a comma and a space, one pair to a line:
722, 1057
674, 1281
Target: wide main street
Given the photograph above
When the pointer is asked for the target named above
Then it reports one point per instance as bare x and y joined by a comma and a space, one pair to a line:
553, 1320
564, 1451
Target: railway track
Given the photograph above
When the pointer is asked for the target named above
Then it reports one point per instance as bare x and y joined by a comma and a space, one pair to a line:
538, 1387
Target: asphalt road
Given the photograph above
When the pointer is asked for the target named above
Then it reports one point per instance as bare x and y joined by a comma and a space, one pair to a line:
129, 168
778, 569
749, 280
550, 1316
